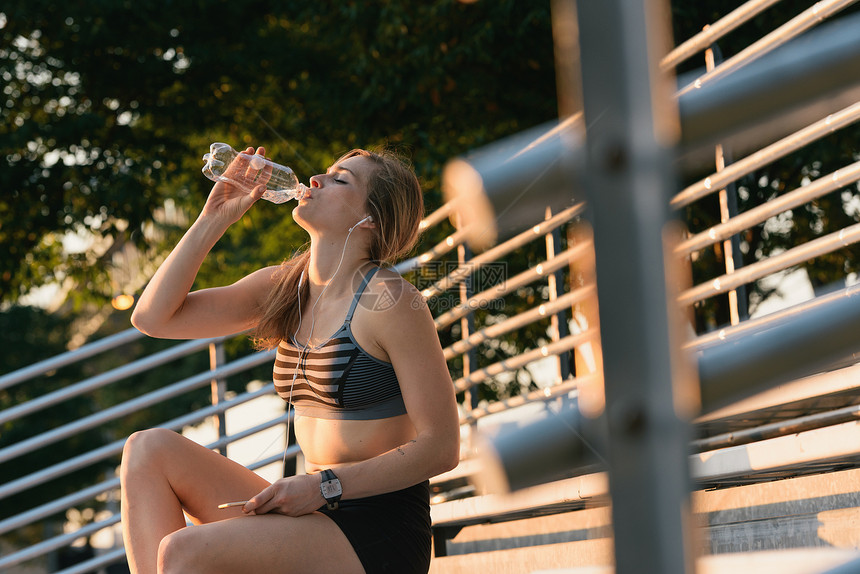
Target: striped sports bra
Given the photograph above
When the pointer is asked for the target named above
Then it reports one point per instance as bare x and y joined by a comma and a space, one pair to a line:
338, 379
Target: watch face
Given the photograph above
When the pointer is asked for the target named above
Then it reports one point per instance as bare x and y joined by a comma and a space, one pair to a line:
331, 488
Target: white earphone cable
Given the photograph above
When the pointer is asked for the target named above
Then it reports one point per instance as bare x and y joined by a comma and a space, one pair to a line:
307, 346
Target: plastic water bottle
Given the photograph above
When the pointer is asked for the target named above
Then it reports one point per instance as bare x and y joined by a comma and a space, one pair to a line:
249, 171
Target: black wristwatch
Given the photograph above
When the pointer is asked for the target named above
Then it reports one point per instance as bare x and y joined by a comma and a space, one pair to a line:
331, 489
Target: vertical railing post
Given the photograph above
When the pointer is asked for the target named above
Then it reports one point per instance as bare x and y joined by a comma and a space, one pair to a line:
728, 209
587, 357
467, 323
218, 390
632, 131
558, 321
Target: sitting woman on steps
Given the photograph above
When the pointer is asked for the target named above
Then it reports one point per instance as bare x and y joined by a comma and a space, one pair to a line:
357, 356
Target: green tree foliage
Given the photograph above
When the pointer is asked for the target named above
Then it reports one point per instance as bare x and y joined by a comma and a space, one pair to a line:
109, 105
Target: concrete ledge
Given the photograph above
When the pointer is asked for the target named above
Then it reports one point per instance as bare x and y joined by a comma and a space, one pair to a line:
567, 494
809, 512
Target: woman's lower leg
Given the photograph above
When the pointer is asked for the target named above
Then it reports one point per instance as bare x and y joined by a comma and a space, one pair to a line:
168, 479
150, 508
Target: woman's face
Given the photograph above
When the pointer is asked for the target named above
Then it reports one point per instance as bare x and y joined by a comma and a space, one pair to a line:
336, 199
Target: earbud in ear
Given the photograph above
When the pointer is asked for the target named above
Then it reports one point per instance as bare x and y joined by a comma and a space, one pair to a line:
368, 218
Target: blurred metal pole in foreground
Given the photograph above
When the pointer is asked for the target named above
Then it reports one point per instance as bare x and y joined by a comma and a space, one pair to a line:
632, 128
799, 346
558, 443
493, 189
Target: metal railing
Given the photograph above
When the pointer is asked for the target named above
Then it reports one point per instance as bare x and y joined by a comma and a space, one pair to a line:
560, 276
544, 272
621, 164
111, 450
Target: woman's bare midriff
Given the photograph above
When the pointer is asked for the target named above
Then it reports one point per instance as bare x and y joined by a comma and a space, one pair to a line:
327, 442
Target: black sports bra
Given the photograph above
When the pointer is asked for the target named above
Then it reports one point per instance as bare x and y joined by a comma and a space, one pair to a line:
338, 379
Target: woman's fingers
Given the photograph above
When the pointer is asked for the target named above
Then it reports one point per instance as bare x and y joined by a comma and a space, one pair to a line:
258, 192
253, 506
257, 169
282, 497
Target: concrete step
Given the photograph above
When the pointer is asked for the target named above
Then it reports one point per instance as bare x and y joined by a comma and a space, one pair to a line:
810, 511
813, 517
586, 553
578, 526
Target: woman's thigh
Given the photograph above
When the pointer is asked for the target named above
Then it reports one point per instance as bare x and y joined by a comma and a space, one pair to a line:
201, 478
263, 543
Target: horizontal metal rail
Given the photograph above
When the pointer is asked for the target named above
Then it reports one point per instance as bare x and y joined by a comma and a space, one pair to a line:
521, 279
436, 217
444, 246
70, 357
807, 345
61, 469
497, 252
749, 273
115, 447
104, 379
556, 390
524, 358
544, 310
58, 505
70, 500
783, 92
55, 543
759, 214
63, 540
431, 220
744, 13
769, 154
731, 333
291, 453
792, 451
435, 252
788, 31
777, 429
131, 406
227, 440
88, 566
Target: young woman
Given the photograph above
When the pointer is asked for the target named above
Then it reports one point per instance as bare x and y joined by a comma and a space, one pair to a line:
358, 357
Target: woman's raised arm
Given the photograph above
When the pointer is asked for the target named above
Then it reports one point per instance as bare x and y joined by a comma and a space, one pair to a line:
168, 309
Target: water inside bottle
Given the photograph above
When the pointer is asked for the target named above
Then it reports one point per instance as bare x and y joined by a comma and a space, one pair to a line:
250, 171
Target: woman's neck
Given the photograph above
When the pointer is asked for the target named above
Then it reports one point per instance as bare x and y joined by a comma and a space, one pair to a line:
333, 264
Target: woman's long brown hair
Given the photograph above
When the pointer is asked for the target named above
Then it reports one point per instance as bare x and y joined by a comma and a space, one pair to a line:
395, 202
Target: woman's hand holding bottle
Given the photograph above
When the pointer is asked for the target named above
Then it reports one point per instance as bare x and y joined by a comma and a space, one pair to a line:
228, 200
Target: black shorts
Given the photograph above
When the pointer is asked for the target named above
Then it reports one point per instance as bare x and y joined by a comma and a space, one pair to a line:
389, 532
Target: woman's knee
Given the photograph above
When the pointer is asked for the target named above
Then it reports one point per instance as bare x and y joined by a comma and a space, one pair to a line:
177, 553
144, 448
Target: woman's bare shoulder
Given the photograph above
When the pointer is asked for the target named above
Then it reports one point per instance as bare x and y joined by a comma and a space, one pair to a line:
391, 294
